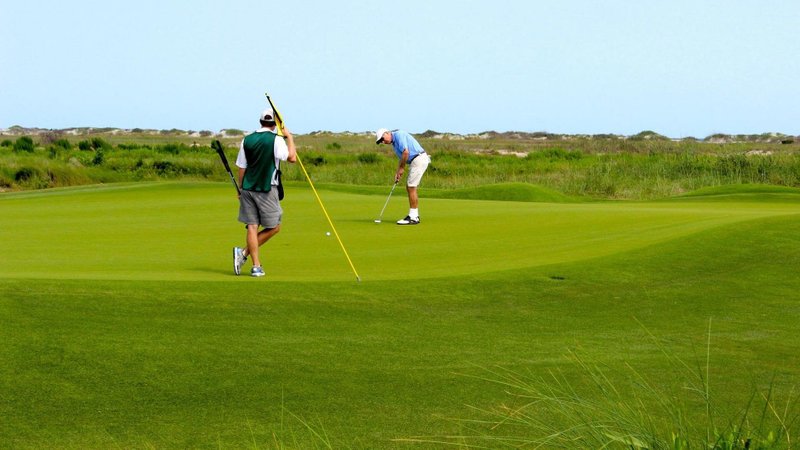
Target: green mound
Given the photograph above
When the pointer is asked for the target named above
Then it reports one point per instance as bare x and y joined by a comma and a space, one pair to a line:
744, 190
516, 192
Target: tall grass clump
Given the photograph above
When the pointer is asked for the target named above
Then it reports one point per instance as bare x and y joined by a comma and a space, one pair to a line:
24, 144
590, 411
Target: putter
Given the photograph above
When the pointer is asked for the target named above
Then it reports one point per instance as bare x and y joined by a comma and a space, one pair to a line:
216, 145
378, 220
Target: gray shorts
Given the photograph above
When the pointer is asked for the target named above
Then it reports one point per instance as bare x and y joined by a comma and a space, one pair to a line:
260, 208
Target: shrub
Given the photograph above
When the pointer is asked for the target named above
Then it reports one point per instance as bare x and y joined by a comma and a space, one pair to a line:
6, 143
173, 149
368, 158
62, 143
84, 145
316, 160
99, 157
98, 143
169, 168
25, 174
24, 144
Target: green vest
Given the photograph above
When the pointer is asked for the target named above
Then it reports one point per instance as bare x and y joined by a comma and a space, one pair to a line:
259, 149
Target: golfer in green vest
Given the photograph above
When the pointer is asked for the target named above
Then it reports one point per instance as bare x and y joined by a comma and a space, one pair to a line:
259, 162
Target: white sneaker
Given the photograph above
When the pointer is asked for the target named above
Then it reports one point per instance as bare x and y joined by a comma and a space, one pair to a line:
238, 260
257, 272
408, 221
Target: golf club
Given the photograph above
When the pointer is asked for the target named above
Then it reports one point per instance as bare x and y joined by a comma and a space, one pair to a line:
217, 145
378, 220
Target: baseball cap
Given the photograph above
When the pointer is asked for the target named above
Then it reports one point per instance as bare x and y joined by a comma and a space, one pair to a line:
379, 135
267, 115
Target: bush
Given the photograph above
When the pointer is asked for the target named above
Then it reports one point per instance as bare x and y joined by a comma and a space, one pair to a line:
84, 146
98, 143
173, 149
24, 144
168, 168
6, 143
368, 158
316, 160
62, 143
24, 174
99, 157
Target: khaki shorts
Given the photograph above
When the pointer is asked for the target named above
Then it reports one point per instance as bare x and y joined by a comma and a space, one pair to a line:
417, 168
260, 208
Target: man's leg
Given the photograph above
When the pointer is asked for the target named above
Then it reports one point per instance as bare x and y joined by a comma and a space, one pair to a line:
256, 239
413, 199
417, 169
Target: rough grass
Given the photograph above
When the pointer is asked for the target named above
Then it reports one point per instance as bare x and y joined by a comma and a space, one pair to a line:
575, 168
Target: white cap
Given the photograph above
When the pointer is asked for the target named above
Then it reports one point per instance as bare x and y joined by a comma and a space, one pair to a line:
379, 135
267, 115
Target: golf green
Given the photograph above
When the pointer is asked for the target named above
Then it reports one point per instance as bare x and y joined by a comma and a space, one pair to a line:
186, 231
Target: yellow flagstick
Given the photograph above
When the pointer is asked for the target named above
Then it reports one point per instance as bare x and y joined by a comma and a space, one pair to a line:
279, 123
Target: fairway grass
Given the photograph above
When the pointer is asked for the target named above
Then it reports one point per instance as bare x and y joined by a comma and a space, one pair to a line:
123, 325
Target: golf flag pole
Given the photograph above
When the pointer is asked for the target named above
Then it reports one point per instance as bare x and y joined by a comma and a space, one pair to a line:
278, 118
279, 123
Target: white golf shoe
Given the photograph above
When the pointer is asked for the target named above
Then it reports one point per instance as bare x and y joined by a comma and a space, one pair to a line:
408, 220
238, 260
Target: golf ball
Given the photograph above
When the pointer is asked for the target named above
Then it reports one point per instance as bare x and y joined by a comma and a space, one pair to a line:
327, 233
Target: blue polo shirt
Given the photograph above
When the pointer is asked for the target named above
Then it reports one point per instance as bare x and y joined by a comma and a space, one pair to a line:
401, 141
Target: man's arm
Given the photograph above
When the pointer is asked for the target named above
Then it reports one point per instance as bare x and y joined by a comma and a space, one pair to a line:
402, 167
290, 145
241, 176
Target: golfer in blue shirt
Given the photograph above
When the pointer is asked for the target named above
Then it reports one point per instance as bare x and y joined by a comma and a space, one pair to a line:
410, 153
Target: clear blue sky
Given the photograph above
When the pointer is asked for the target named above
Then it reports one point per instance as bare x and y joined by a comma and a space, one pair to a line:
680, 68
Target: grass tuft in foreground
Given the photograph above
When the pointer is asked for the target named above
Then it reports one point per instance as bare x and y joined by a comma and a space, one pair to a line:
598, 410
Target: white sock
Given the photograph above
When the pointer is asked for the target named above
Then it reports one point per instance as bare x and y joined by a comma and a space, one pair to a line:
413, 213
